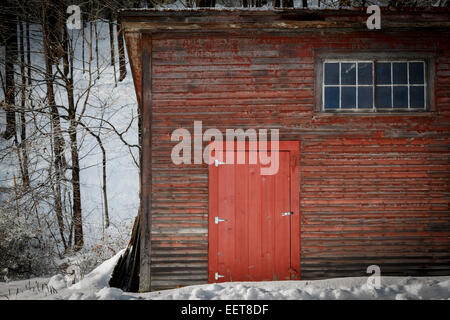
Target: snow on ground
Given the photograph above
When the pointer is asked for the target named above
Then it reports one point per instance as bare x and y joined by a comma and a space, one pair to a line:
94, 286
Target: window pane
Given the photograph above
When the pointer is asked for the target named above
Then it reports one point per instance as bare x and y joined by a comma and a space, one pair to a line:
401, 97
348, 97
365, 73
383, 97
331, 97
365, 97
383, 72
348, 73
417, 99
399, 71
416, 73
331, 73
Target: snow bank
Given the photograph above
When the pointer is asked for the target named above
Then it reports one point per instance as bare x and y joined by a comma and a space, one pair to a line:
99, 277
94, 286
355, 288
58, 282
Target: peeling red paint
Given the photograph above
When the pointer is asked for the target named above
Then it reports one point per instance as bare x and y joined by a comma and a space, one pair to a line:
374, 189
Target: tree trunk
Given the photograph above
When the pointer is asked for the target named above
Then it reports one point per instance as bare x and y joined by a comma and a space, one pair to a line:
77, 220
27, 28
53, 20
10, 58
121, 46
113, 53
105, 195
111, 41
83, 26
97, 60
120, 43
285, 3
254, 3
58, 140
23, 131
206, 3
76, 194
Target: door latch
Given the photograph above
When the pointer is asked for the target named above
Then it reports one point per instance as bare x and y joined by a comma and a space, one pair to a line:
217, 276
287, 213
217, 220
217, 162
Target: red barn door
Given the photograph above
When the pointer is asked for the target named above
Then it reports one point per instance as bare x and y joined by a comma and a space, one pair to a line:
254, 220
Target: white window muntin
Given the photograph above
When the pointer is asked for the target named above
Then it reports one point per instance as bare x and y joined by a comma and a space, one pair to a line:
374, 85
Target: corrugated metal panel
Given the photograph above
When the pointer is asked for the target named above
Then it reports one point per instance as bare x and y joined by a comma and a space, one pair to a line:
375, 201
373, 189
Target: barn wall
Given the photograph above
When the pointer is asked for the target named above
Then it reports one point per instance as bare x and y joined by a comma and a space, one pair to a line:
373, 189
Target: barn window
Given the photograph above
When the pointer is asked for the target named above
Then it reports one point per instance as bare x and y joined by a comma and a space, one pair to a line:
374, 85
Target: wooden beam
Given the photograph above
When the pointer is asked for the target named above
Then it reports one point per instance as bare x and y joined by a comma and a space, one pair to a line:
133, 41
280, 20
146, 166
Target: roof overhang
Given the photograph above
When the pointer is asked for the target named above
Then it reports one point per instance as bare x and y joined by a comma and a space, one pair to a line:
276, 20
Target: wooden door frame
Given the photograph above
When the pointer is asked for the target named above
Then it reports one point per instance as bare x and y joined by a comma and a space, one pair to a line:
293, 147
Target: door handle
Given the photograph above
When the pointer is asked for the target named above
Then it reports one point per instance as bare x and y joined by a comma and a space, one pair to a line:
217, 220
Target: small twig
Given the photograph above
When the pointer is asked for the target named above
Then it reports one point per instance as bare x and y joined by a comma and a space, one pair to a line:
17, 196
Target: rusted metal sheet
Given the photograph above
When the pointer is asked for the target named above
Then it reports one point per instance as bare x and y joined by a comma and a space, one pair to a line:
374, 189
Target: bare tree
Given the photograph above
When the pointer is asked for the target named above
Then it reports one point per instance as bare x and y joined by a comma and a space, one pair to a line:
23, 130
10, 41
49, 44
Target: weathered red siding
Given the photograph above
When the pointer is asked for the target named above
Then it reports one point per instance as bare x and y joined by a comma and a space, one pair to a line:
374, 189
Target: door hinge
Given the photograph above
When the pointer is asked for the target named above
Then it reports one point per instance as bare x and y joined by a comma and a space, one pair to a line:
217, 276
288, 213
217, 220
217, 162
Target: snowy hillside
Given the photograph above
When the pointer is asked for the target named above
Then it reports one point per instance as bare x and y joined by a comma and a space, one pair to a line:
111, 104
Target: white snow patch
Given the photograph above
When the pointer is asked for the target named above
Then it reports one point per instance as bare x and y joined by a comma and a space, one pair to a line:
58, 282
99, 277
95, 287
330, 289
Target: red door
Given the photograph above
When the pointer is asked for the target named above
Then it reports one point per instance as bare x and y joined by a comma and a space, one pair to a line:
254, 220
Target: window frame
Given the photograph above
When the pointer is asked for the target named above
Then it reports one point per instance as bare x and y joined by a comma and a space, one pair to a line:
322, 56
